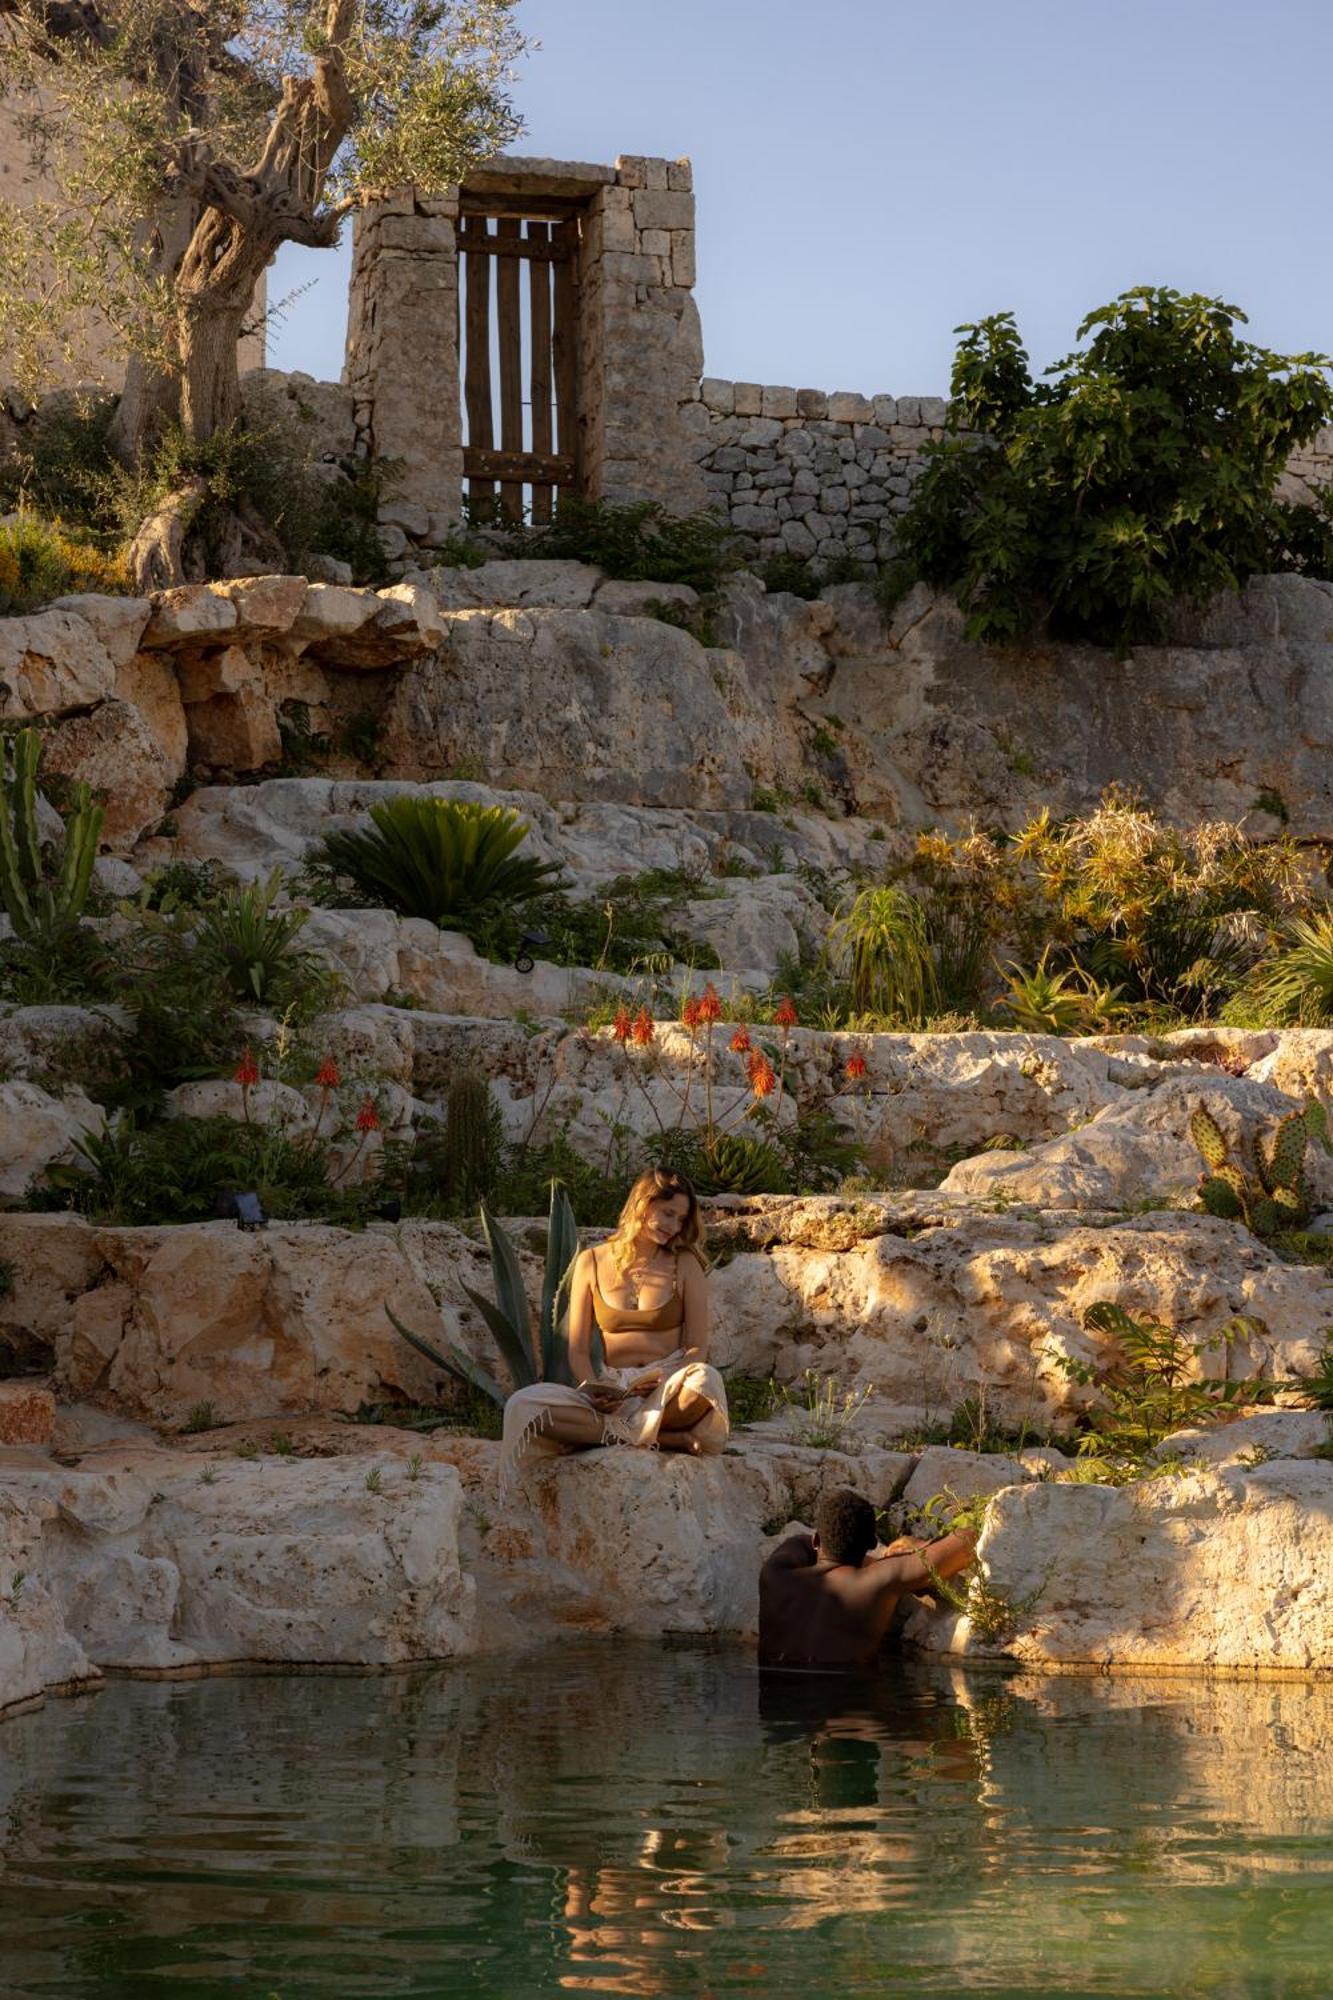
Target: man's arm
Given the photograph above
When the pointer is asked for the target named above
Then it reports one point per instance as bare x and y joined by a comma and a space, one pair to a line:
918, 1566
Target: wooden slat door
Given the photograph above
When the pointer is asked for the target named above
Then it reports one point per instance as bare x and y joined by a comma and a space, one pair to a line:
505, 324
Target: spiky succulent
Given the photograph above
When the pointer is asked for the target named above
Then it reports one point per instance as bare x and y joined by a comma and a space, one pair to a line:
1268, 1192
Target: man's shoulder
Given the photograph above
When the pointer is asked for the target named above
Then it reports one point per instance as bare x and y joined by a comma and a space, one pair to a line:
797, 1552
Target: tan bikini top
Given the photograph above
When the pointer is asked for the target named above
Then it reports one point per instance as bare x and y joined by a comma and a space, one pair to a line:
637, 1319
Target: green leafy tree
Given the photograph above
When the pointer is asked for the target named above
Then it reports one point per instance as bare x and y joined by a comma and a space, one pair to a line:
185, 143
1140, 471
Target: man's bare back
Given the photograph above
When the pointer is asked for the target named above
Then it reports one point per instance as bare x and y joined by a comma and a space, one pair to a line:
816, 1611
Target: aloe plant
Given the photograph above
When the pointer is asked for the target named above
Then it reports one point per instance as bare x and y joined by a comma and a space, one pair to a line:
528, 1358
449, 860
1268, 1191
42, 910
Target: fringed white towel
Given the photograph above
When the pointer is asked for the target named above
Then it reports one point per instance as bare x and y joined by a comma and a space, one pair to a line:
637, 1422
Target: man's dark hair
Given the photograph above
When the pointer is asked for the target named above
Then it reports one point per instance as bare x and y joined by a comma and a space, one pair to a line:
845, 1525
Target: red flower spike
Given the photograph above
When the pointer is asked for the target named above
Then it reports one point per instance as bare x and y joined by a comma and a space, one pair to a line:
622, 1025
690, 1013
785, 1014
327, 1076
247, 1070
854, 1067
739, 1042
710, 1007
643, 1031
367, 1118
763, 1076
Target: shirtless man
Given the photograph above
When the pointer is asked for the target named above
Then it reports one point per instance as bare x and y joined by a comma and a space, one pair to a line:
825, 1600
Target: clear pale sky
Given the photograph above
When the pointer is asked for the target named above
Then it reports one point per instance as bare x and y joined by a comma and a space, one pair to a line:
869, 173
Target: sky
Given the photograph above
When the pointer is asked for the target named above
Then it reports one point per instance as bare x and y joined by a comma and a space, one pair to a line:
871, 173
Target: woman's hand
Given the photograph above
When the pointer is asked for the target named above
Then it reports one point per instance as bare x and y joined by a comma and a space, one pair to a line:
604, 1396
645, 1383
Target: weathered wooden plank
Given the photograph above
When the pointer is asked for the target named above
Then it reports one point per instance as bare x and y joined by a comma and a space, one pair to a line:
565, 349
477, 364
524, 466
526, 248
515, 202
510, 330
539, 377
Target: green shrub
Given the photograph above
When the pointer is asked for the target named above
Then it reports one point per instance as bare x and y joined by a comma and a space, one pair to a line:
1140, 472
641, 542
51, 955
1295, 986
881, 940
449, 860
41, 559
740, 1163
1151, 1387
175, 1171
251, 946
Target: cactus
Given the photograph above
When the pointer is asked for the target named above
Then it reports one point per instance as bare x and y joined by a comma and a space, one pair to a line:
1269, 1192
472, 1137
40, 910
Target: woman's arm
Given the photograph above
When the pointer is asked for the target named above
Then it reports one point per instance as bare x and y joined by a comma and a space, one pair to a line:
694, 1297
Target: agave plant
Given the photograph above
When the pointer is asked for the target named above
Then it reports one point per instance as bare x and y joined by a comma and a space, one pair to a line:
1044, 1002
1269, 1191
253, 945
450, 860
509, 1316
736, 1163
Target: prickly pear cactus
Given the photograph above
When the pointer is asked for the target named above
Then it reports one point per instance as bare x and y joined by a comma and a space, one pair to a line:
1274, 1194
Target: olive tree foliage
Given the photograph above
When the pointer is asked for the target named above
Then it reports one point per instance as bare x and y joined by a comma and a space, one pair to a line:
183, 141
1141, 471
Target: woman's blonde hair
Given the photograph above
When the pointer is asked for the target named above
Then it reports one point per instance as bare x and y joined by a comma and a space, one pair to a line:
656, 1184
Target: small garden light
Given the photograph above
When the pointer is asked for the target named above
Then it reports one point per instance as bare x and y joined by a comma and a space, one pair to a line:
244, 1209
529, 945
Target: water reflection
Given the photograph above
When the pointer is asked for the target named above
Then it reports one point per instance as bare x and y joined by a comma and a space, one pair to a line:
654, 1821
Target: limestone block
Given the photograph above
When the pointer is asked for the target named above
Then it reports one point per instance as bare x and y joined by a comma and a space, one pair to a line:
150, 684
51, 663
948, 1472
318, 414
747, 398
117, 622
332, 613
632, 600
1264, 1435
655, 243
1217, 1570
753, 520
265, 605
414, 520
266, 1103
718, 395
680, 179
192, 614
909, 411
684, 270
235, 732
779, 402
224, 671
40, 1131
763, 431
886, 410
798, 538
933, 410
113, 749
845, 407
656, 208
27, 1415
811, 403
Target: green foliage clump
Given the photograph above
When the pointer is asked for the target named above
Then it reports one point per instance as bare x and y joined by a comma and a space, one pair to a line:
1151, 1387
741, 1163
641, 542
44, 894
1140, 471
451, 861
1264, 1187
41, 559
1294, 987
882, 939
528, 1359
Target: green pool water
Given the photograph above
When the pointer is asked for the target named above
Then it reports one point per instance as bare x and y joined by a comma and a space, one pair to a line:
602, 1818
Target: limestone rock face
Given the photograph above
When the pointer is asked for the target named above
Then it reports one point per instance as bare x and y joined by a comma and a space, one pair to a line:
39, 1131
1231, 1568
1136, 1150
52, 663
146, 1558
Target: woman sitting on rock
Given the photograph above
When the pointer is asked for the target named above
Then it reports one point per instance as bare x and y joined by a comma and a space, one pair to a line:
646, 1290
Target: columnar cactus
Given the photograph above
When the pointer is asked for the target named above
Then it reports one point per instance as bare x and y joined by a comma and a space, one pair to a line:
37, 907
1270, 1192
472, 1135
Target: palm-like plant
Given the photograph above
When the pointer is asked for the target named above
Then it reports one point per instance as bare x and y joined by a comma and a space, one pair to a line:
253, 945
1296, 986
509, 1316
452, 861
882, 940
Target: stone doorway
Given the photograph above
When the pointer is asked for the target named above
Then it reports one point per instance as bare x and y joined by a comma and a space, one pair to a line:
519, 352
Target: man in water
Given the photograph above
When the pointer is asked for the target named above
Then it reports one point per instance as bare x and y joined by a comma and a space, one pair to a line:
826, 1600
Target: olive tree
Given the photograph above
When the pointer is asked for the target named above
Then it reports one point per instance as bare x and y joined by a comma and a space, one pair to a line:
180, 143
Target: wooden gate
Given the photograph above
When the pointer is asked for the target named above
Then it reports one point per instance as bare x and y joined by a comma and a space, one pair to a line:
519, 451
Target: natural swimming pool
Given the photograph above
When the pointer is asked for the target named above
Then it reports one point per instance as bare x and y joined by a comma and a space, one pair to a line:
625, 1819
